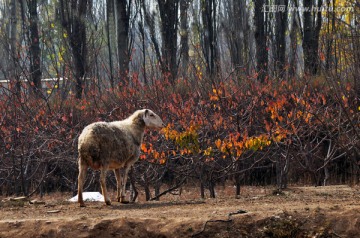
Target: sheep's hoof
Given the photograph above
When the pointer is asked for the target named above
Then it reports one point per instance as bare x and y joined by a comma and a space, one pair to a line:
123, 200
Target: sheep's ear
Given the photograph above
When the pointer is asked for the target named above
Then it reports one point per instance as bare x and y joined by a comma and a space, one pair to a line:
146, 112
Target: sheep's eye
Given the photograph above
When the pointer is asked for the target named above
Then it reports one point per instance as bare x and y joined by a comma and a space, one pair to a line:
152, 115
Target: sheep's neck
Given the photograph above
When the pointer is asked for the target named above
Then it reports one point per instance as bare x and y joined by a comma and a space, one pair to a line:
135, 139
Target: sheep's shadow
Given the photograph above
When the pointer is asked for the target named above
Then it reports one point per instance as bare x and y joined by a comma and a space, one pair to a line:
152, 204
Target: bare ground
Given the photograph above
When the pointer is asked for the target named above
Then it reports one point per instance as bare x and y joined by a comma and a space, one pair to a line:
332, 211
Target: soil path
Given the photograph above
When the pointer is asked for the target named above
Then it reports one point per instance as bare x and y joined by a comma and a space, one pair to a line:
332, 211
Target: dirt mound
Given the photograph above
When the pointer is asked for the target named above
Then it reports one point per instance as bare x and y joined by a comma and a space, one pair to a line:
332, 211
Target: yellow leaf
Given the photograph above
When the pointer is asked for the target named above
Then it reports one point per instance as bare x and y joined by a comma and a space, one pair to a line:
208, 151
348, 18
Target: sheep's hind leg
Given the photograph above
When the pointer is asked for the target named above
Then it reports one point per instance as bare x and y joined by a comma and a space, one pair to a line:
121, 176
118, 184
124, 174
103, 186
81, 180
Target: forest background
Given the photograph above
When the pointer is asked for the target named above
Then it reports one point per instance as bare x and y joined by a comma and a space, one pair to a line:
261, 92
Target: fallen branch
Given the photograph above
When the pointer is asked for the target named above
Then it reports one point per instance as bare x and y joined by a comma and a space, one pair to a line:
226, 221
168, 190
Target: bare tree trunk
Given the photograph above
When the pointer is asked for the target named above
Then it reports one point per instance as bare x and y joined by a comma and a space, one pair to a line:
212, 189
73, 16
317, 29
279, 167
145, 183
282, 169
13, 39
35, 51
330, 37
209, 36
147, 192
143, 45
238, 8
184, 35
281, 27
109, 20
326, 175
202, 190
169, 25
202, 185
356, 72
307, 38
157, 190
237, 30
293, 47
24, 187
260, 39
238, 186
13, 55
123, 8
311, 37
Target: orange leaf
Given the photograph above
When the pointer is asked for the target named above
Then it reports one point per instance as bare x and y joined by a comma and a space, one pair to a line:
218, 143
143, 148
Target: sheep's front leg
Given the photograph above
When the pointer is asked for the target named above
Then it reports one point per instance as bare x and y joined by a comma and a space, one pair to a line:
103, 186
81, 180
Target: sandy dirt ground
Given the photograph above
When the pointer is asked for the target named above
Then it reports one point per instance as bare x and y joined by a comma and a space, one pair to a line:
331, 211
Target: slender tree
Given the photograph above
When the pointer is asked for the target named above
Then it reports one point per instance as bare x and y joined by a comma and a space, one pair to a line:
35, 50
311, 33
293, 46
109, 24
209, 36
260, 40
330, 29
13, 51
281, 19
123, 11
73, 15
143, 43
184, 35
168, 11
236, 28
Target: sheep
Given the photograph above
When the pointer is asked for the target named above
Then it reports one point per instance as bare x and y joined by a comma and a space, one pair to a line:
113, 146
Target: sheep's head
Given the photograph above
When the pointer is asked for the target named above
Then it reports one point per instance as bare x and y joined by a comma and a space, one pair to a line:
152, 120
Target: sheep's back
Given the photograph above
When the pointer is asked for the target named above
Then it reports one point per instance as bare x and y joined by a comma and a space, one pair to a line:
103, 144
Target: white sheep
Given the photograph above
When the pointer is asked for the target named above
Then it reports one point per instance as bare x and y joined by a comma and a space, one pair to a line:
113, 146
